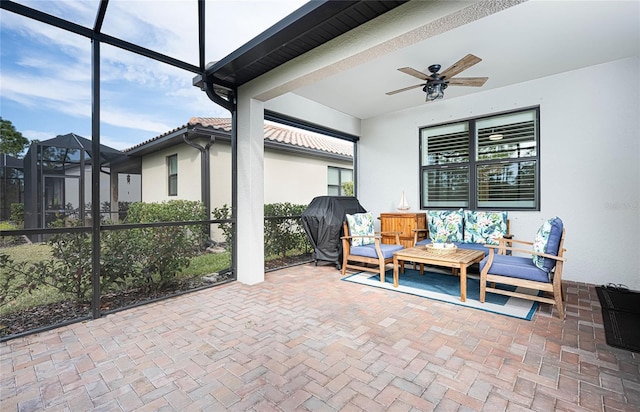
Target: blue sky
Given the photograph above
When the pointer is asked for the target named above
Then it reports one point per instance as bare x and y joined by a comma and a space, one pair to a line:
45, 72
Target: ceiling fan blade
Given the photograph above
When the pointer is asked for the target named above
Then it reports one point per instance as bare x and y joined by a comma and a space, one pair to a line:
462, 64
415, 73
468, 81
404, 89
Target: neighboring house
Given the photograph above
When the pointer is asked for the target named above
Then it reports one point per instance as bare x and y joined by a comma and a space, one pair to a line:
299, 166
57, 180
193, 162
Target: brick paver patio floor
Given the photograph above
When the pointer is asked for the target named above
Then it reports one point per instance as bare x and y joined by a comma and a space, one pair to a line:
305, 340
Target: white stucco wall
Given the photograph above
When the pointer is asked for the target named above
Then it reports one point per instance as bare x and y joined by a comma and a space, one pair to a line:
296, 179
155, 186
128, 192
289, 177
589, 153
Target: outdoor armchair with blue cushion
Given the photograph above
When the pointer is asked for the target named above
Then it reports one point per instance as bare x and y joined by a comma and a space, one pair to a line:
362, 245
540, 270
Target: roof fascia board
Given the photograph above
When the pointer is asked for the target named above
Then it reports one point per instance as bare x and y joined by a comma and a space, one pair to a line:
274, 37
164, 141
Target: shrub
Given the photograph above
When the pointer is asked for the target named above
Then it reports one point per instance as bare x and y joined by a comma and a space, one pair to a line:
161, 252
221, 213
6, 241
68, 271
17, 213
284, 234
347, 187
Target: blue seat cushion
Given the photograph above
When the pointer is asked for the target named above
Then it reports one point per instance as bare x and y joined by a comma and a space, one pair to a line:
370, 250
423, 242
515, 267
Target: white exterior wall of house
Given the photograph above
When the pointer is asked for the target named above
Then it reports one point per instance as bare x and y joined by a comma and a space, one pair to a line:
155, 178
289, 177
589, 171
128, 192
296, 180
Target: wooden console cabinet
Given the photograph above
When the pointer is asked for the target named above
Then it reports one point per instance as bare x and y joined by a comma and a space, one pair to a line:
403, 223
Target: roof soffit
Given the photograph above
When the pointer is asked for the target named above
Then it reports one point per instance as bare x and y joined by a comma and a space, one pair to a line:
407, 25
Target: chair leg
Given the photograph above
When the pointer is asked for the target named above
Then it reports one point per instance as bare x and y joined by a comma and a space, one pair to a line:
483, 287
382, 267
344, 265
557, 295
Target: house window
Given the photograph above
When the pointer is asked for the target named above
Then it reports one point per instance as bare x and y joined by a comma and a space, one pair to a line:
337, 178
172, 169
484, 163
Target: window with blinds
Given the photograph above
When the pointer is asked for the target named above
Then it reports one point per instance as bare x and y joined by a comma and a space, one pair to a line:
485, 163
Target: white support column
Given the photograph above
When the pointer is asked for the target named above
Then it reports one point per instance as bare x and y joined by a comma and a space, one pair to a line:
250, 205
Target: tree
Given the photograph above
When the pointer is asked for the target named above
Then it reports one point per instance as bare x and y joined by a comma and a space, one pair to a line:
11, 141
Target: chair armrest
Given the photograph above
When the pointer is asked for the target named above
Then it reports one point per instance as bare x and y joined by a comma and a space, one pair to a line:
376, 236
521, 242
493, 248
416, 232
397, 235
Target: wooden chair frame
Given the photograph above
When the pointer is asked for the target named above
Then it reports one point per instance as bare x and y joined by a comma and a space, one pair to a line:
379, 263
554, 287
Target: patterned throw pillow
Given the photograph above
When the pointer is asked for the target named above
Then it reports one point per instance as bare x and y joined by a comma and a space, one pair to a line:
484, 227
445, 225
547, 241
361, 224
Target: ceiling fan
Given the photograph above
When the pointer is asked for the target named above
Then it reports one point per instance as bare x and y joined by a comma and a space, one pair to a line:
437, 82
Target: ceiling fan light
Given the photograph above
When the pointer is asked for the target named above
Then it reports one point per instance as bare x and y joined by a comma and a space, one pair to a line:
434, 92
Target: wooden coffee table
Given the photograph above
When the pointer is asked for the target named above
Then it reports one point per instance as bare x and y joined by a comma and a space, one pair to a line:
458, 259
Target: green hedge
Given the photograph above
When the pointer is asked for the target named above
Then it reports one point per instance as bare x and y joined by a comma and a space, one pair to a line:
147, 257
283, 231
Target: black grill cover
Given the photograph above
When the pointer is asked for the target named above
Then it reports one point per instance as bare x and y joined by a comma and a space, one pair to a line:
322, 220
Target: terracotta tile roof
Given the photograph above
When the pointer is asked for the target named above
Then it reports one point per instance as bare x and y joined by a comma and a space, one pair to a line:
283, 134
273, 132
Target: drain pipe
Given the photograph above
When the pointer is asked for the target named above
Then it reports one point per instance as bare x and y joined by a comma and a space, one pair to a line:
205, 172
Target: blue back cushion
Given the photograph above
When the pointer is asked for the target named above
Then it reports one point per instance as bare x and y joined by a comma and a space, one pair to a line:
548, 241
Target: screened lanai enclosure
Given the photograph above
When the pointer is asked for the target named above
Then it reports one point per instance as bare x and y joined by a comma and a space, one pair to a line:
74, 256
71, 260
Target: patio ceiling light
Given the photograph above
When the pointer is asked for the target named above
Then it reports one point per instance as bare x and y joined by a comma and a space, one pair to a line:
434, 90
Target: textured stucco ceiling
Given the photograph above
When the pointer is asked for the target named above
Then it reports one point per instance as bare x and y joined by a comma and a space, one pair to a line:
527, 41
